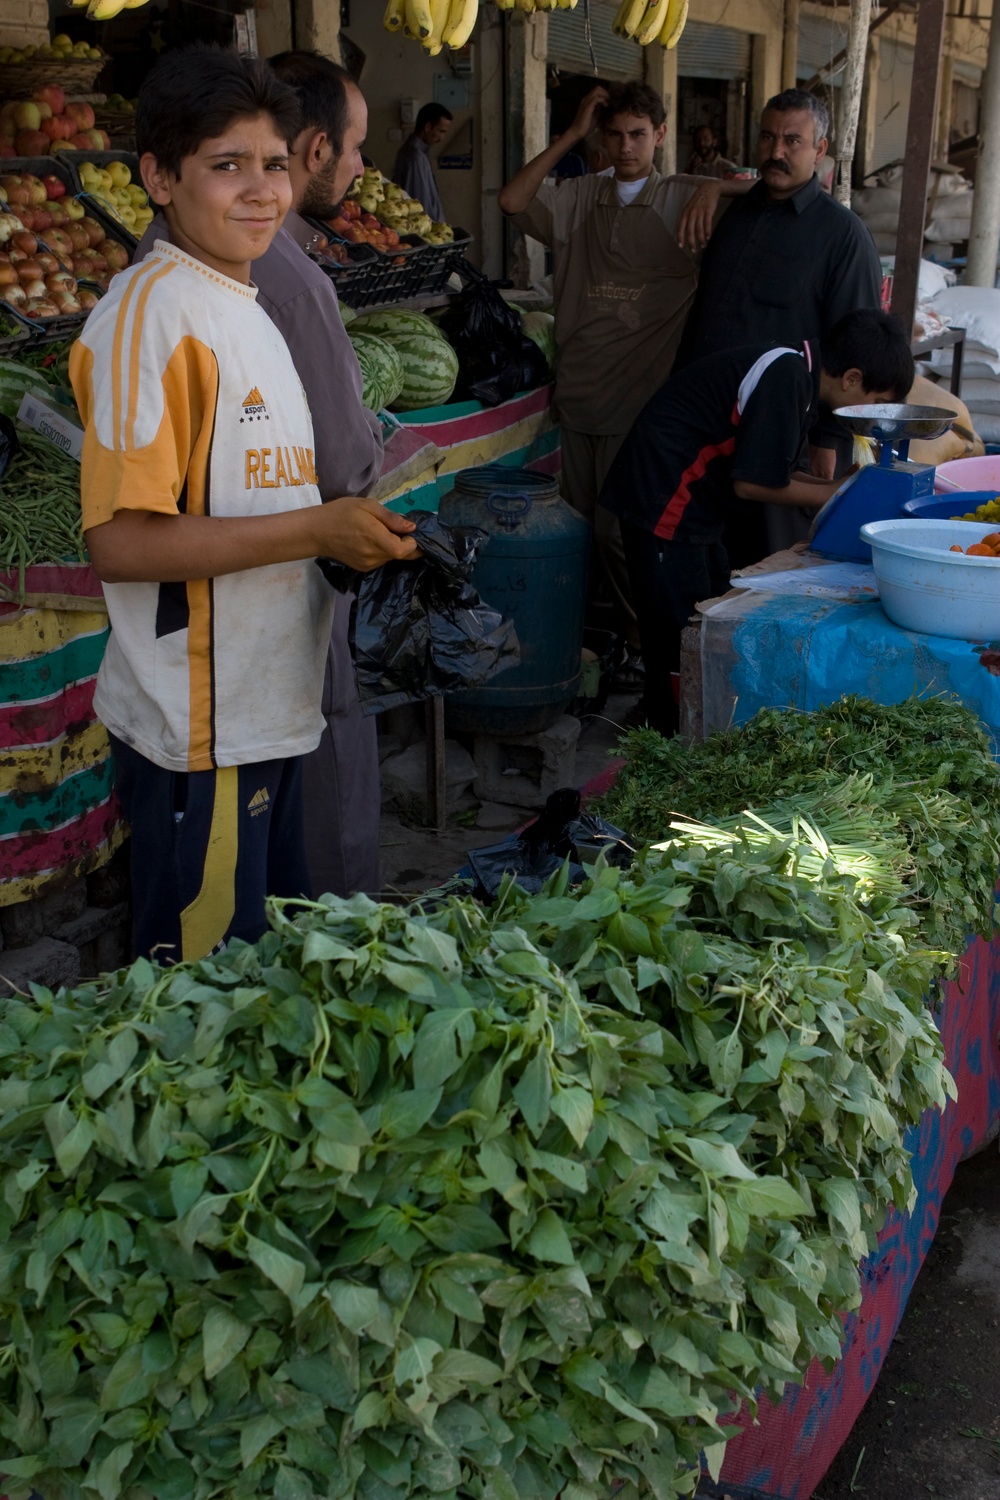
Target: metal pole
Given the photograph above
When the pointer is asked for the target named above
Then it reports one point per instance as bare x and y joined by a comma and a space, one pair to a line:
919, 150
984, 237
850, 98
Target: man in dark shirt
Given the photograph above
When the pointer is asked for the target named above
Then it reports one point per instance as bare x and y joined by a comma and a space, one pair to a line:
413, 171
730, 428
785, 263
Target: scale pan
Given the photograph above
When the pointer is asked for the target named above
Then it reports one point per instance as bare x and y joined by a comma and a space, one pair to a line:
893, 421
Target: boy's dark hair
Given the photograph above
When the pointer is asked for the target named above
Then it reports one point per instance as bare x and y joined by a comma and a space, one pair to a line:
875, 343
321, 86
194, 94
429, 114
632, 98
790, 99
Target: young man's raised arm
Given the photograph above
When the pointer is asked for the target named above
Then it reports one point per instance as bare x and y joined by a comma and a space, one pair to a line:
515, 195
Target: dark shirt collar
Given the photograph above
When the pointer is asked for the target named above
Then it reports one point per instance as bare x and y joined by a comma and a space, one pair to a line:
798, 202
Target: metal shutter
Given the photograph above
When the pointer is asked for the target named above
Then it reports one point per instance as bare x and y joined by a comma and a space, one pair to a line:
617, 57
819, 42
713, 52
892, 104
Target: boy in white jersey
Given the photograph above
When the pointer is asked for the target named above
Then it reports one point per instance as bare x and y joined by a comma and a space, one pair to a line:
202, 517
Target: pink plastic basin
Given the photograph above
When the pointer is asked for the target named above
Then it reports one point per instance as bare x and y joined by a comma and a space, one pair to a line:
969, 474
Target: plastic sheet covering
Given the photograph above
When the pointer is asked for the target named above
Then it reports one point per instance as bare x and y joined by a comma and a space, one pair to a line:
419, 629
496, 360
560, 832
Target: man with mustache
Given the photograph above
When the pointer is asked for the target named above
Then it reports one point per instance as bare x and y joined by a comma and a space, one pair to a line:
785, 263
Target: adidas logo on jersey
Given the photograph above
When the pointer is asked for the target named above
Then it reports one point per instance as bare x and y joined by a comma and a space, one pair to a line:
259, 802
254, 409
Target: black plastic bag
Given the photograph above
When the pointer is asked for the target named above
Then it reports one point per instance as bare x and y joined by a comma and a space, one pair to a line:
495, 359
419, 629
9, 443
560, 832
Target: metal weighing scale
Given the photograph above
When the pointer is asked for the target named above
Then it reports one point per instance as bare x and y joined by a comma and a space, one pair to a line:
878, 492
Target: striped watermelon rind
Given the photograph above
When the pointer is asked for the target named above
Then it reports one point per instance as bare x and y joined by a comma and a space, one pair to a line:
399, 323
540, 328
381, 369
430, 370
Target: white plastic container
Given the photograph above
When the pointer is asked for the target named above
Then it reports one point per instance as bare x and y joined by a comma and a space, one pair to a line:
981, 473
925, 587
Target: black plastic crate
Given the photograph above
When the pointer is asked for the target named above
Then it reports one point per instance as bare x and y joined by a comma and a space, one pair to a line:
48, 330
356, 280
96, 207
439, 262
13, 338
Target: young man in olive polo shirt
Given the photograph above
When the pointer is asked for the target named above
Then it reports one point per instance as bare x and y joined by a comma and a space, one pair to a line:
623, 287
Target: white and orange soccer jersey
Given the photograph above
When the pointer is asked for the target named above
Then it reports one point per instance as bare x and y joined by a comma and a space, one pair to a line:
192, 404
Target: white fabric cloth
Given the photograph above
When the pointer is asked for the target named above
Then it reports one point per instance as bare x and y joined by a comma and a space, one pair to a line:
628, 192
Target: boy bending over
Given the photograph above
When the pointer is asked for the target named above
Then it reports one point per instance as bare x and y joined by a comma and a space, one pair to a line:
202, 516
731, 428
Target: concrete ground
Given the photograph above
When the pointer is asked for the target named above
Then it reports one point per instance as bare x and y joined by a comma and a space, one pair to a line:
932, 1425
415, 858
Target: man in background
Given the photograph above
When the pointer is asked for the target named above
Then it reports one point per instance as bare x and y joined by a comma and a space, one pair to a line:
706, 158
413, 171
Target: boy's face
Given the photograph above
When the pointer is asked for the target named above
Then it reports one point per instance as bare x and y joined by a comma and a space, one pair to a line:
630, 141
231, 196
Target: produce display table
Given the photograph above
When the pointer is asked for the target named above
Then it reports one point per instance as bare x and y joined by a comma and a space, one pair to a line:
757, 650
58, 816
521, 432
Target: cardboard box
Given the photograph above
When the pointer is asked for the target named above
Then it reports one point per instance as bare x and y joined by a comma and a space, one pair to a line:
54, 422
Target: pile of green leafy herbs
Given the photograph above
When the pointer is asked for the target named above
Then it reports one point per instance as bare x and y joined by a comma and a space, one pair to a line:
927, 760
500, 1205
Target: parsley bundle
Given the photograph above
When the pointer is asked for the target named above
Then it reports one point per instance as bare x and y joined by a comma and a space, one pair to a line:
502, 1205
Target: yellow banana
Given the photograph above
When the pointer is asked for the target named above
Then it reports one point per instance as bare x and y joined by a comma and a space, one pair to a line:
395, 15
462, 16
505, 4
618, 24
634, 13
652, 22
104, 10
419, 20
566, 4
673, 26
527, 6
439, 19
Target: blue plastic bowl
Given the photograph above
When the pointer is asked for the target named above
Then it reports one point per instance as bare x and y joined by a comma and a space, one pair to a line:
944, 507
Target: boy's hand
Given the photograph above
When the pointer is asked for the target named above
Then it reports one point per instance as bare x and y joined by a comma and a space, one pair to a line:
363, 535
698, 216
583, 124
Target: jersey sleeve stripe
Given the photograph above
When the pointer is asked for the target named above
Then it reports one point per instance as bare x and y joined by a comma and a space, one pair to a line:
135, 353
124, 332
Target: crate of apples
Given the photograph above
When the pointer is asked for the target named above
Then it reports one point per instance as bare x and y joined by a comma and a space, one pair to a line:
47, 123
358, 227
33, 282
40, 202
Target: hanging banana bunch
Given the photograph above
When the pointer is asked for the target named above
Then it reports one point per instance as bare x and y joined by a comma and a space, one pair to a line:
106, 10
449, 23
648, 21
433, 23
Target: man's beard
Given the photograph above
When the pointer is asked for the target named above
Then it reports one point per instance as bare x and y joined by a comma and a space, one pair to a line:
320, 194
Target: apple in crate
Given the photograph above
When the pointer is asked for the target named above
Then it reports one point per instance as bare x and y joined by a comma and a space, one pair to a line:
52, 95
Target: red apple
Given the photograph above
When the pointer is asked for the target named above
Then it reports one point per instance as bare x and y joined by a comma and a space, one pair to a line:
116, 255
78, 236
36, 188
60, 243
54, 186
82, 113
32, 143
7, 150
23, 240
59, 128
81, 142
52, 95
94, 231
41, 220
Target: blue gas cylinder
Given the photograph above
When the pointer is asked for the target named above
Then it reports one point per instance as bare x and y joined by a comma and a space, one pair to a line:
533, 569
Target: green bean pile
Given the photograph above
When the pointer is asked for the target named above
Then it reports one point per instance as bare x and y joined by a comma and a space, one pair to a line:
39, 507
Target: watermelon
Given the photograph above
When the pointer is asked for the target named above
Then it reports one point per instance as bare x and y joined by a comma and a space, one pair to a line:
347, 314
430, 370
381, 369
392, 325
15, 380
540, 328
